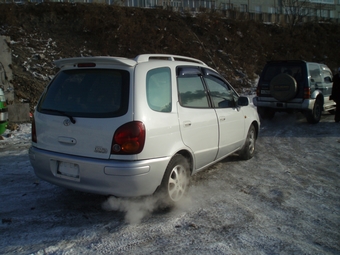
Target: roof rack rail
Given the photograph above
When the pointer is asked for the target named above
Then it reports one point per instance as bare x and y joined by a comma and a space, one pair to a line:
286, 61
147, 57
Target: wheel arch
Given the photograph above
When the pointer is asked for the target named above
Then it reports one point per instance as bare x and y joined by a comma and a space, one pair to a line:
257, 127
188, 156
317, 95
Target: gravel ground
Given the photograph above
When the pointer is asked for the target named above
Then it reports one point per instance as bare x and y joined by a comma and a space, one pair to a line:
285, 200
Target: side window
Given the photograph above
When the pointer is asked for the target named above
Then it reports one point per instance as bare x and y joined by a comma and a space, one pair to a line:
327, 76
191, 92
221, 95
314, 72
158, 89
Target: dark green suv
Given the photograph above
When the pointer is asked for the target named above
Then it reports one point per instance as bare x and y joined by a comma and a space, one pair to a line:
294, 85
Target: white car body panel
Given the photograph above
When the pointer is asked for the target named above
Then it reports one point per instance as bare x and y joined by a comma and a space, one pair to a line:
232, 130
199, 130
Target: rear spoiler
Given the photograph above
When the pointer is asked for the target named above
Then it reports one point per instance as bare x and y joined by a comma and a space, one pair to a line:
73, 62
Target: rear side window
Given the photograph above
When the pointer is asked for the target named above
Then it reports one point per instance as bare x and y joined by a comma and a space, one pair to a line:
158, 89
95, 93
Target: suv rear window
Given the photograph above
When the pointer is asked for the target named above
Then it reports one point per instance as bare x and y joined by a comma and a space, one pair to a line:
95, 93
272, 70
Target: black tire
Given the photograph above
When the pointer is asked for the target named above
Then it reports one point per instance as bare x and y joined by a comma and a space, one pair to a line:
175, 183
266, 113
248, 149
283, 87
314, 116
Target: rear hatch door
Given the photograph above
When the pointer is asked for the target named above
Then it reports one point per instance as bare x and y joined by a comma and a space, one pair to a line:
81, 109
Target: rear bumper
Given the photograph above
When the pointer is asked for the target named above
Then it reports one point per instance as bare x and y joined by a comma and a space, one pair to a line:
107, 177
306, 104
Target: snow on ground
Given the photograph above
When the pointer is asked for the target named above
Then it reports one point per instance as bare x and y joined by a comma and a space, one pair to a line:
16, 139
285, 200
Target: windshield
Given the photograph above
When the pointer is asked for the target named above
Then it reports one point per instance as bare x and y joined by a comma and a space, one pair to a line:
93, 93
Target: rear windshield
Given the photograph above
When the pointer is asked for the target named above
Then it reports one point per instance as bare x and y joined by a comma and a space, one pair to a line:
96, 93
292, 69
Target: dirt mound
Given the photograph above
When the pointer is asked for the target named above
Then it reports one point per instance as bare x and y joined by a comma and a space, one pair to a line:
41, 33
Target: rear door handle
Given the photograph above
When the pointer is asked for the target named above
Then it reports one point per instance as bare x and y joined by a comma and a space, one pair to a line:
67, 140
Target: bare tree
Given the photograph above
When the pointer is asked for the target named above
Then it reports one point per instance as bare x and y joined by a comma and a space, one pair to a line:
296, 10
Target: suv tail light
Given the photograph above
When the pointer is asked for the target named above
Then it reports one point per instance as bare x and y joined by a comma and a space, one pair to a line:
258, 91
306, 93
34, 132
129, 138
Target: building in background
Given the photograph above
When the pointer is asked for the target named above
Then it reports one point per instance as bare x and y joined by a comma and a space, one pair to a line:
289, 11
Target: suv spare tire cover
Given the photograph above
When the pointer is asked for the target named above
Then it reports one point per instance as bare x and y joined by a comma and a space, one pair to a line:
283, 87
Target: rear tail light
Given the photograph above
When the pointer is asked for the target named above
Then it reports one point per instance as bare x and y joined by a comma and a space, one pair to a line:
258, 91
306, 93
129, 138
34, 131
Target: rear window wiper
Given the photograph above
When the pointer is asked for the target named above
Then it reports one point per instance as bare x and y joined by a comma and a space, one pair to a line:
62, 113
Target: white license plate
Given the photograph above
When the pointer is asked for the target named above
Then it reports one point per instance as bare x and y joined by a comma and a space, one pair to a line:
68, 169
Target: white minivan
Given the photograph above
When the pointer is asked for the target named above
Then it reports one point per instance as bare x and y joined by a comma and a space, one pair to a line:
136, 127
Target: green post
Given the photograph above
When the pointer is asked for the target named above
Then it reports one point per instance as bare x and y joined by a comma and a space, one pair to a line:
3, 113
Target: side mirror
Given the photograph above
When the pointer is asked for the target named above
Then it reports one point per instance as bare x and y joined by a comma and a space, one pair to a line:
243, 101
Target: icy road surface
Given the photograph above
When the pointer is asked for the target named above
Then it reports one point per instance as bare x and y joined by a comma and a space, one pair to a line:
286, 200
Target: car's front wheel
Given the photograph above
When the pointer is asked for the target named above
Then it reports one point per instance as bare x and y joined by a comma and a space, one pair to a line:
175, 182
248, 149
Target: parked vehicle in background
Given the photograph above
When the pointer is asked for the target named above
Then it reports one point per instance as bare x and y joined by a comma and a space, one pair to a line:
135, 127
294, 85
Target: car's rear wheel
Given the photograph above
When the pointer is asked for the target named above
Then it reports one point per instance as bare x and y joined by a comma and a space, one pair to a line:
266, 113
175, 182
314, 116
248, 149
